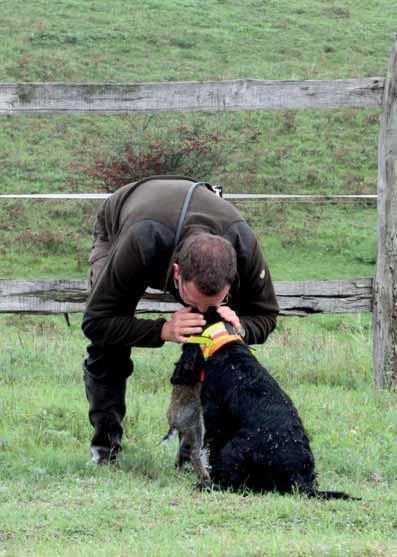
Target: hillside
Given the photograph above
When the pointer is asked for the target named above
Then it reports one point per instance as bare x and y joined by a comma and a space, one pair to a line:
288, 152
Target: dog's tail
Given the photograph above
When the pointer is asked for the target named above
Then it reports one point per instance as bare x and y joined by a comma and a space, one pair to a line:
327, 495
172, 433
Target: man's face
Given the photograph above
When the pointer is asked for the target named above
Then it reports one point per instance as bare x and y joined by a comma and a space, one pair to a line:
192, 296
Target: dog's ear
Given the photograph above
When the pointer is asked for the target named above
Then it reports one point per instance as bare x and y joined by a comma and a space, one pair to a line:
189, 366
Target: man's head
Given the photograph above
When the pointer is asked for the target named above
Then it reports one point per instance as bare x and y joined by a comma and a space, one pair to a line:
205, 270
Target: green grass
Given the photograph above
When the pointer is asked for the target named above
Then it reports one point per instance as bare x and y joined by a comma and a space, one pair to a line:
52, 239
332, 151
182, 40
53, 501
328, 151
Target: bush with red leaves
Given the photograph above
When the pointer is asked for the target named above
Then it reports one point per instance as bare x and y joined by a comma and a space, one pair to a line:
190, 153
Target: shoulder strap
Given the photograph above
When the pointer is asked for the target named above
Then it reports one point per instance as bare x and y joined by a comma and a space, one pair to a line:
217, 190
184, 209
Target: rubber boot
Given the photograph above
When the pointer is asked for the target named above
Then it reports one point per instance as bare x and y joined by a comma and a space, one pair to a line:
107, 409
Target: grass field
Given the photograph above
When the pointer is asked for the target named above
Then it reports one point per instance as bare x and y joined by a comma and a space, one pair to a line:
51, 500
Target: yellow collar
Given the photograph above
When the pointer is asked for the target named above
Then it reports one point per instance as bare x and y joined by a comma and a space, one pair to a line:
213, 338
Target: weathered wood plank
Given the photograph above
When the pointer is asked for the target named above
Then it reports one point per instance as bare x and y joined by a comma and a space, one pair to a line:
304, 198
385, 287
241, 94
295, 298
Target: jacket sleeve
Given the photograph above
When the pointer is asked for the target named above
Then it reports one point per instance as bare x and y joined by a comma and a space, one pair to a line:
254, 299
109, 317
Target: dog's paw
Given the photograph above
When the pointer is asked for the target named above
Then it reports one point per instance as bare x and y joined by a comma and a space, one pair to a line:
204, 486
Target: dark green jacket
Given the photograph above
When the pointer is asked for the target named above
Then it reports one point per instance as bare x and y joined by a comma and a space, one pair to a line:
135, 242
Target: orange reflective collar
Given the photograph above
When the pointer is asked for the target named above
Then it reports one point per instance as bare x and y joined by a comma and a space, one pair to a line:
213, 338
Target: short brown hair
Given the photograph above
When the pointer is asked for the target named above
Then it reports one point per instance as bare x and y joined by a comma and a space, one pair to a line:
208, 260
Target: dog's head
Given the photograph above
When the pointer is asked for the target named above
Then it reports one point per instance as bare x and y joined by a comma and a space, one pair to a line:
192, 362
212, 316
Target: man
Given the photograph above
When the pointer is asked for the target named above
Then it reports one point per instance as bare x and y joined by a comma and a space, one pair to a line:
173, 234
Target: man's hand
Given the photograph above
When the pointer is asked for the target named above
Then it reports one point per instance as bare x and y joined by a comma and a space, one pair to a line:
230, 316
184, 323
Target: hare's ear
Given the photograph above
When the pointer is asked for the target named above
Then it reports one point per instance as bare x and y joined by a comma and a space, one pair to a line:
189, 366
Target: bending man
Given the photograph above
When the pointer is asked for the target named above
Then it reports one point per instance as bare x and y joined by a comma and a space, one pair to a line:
169, 233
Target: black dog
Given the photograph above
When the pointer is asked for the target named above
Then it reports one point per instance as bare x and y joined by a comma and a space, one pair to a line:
255, 437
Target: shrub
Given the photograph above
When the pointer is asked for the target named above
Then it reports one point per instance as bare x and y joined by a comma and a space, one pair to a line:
188, 152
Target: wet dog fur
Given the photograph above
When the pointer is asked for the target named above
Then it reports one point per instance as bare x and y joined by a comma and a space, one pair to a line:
255, 437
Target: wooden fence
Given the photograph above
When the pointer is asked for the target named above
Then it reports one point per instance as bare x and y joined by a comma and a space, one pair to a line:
378, 295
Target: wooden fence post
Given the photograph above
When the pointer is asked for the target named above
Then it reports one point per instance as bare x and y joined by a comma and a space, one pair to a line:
385, 287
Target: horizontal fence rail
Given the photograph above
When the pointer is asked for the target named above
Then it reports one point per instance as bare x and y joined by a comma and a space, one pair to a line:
304, 198
295, 298
212, 96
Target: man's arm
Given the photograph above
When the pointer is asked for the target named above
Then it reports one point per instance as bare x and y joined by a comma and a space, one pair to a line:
257, 304
109, 317
253, 298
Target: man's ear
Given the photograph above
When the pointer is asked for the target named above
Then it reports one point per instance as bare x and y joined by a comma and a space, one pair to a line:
177, 271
